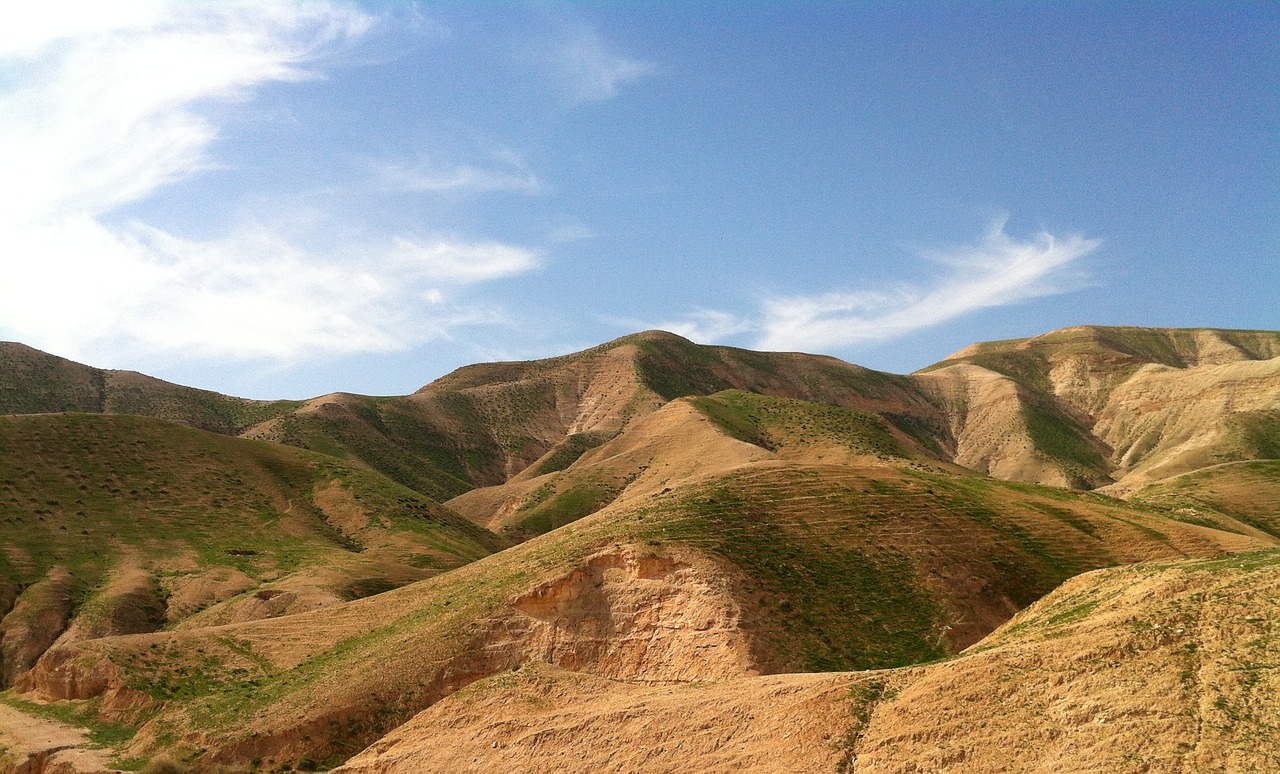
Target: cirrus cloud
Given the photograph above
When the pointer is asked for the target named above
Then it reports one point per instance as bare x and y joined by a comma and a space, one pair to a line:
99, 109
999, 270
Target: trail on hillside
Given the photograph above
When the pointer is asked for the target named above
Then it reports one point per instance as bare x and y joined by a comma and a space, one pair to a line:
24, 737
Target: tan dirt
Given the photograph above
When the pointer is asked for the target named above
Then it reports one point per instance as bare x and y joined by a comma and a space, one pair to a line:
1141, 669
34, 745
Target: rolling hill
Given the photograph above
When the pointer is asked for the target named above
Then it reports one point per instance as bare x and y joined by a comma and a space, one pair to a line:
124, 524
691, 555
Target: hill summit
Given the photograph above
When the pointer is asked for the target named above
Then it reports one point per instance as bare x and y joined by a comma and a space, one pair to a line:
695, 556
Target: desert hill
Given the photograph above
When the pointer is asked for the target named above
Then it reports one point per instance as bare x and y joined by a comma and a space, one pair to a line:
1090, 406
775, 567
1160, 667
486, 424
701, 527
34, 382
1082, 407
124, 524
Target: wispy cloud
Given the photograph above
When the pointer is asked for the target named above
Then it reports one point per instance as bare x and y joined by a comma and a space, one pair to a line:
997, 271
504, 171
248, 295
105, 109
589, 67
463, 263
100, 108
707, 325
571, 233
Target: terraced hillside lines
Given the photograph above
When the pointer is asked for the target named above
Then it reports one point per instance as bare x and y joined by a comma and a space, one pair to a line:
926, 562
1162, 667
1236, 495
435, 453
1145, 668
542, 719
1094, 405
124, 524
33, 382
774, 567
779, 424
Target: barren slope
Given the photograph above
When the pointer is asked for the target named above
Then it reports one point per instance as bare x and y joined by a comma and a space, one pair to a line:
776, 566
1090, 406
1149, 668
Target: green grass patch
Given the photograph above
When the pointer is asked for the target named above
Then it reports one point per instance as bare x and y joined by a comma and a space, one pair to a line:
568, 451
79, 714
550, 509
773, 423
1059, 438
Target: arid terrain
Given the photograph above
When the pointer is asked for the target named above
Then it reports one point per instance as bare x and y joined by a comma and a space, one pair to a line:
1050, 554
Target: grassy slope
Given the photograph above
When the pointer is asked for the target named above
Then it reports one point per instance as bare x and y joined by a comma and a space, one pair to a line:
85, 494
780, 425
1247, 492
838, 570
33, 382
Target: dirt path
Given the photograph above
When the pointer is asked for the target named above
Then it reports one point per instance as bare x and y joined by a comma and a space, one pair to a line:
24, 737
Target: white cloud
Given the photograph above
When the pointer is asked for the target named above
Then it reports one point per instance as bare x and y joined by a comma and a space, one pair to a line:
505, 172
998, 271
463, 263
590, 70
107, 109
100, 108
249, 295
707, 326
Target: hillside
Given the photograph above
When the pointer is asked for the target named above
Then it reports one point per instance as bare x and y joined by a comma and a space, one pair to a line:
1083, 407
1155, 667
486, 424
33, 382
122, 524
775, 567
1092, 406
650, 534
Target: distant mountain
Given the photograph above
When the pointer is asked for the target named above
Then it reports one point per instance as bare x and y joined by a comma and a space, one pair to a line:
1089, 406
485, 424
34, 382
1081, 407
649, 511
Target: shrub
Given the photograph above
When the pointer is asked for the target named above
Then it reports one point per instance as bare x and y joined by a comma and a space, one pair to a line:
163, 764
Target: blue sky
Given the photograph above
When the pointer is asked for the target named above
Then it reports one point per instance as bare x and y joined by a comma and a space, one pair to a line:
282, 199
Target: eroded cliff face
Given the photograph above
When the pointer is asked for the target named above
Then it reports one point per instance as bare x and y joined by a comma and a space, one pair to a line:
636, 618
625, 613
38, 617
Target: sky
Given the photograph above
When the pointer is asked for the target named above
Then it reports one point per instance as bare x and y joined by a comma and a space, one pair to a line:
281, 199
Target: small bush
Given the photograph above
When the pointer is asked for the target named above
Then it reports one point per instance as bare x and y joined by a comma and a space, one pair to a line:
163, 764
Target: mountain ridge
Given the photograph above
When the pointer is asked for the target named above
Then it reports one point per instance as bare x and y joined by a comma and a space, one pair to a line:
649, 513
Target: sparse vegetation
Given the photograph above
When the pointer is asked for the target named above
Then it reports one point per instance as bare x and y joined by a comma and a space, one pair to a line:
847, 548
